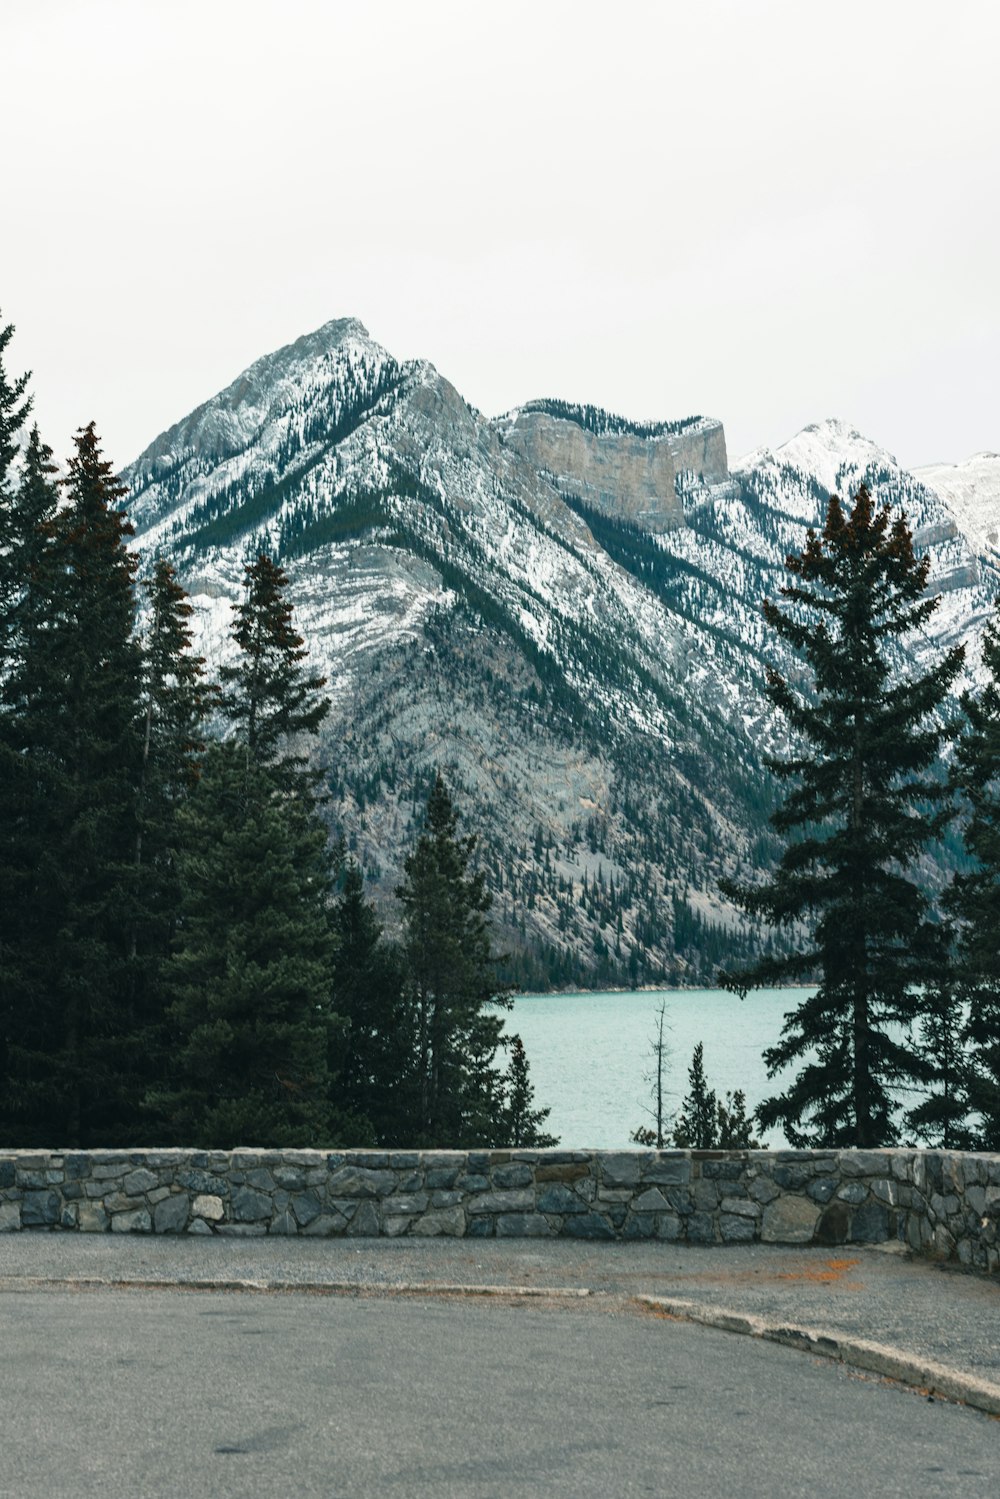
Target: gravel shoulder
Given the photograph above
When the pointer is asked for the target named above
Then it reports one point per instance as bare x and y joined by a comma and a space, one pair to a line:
921, 1310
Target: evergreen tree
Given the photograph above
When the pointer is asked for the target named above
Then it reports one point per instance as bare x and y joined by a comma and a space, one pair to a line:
373, 1062
14, 407
252, 972
697, 1124
975, 897
176, 700
269, 695
521, 1120
452, 984
71, 723
862, 808
942, 1117
251, 978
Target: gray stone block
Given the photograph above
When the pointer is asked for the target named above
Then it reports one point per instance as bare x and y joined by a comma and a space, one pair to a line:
283, 1225
515, 1201
91, 1218
292, 1178
365, 1222
623, 1168
556, 1197
249, 1206
587, 1226
138, 1182
306, 1206
443, 1178
10, 1217
667, 1170
737, 1230
853, 1192
171, 1215
650, 1201
523, 1226
355, 1181
40, 1209
791, 1178
822, 1189
740, 1207
413, 1203
789, 1220
864, 1163
136, 1222
517, 1175
326, 1226
870, 1224
8, 1173
699, 1228
440, 1221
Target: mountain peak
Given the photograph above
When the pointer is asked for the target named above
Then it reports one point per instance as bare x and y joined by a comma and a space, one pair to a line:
831, 453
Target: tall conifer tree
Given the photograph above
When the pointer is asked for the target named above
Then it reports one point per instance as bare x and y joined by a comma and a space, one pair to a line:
252, 973
869, 733
373, 1063
14, 407
451, 972
975, 897
72, 717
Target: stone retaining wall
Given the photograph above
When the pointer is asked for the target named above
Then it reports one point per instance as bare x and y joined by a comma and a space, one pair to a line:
943, 1202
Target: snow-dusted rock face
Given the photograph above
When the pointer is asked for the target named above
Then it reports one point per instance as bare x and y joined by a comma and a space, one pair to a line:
628, 472
971, 493
592, 689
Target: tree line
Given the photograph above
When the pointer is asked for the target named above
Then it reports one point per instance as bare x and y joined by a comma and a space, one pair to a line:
183, 954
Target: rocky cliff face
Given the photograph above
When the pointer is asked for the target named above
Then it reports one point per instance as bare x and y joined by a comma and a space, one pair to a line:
628, 472
561, 613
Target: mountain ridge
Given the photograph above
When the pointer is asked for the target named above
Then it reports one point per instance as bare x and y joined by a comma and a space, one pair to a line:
577, 641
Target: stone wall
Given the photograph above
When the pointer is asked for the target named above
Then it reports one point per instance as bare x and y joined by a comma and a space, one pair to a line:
945, 1203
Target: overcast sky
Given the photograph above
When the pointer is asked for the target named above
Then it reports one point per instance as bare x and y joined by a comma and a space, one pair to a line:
767, 212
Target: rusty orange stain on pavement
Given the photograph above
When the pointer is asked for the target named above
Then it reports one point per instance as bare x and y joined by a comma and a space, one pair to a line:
833, 1270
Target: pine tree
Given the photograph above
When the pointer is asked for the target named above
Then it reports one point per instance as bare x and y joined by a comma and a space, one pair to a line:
15, 405
252, 972
697, 1123
71, 719
522, 1122
451, 977
176, 700
373, 1062
860, 812
269, 695
975, 897
251, 977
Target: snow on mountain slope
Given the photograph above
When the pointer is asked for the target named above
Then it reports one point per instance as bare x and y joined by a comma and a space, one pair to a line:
971, 491
592, 689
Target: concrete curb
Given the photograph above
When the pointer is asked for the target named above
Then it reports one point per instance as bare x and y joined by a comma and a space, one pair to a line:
876, 1358
304, 1287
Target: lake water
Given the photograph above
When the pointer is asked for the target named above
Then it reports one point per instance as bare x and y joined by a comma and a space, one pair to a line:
590, 1054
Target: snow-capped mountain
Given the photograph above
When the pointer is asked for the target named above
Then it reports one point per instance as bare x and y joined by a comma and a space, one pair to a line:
971, 492
560, 608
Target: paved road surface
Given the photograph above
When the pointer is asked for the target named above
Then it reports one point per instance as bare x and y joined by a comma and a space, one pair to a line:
942, 1315
166, 1393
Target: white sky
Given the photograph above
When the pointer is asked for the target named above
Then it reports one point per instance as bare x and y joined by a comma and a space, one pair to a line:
765, 211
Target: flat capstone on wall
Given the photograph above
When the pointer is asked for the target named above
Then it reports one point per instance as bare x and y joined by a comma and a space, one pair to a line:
946, 1203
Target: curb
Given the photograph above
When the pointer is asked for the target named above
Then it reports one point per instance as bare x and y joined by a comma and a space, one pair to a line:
304, 1287
875, 1358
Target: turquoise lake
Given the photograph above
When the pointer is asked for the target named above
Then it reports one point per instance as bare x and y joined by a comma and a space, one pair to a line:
590, 1054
